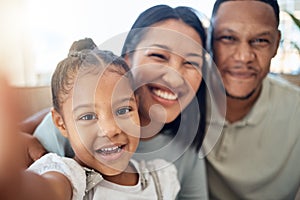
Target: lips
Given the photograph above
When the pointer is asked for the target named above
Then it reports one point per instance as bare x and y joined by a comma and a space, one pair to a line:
241, 74
165, 94
109, 150
110, 153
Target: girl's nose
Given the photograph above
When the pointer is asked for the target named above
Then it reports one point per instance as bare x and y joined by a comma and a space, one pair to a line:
108, 128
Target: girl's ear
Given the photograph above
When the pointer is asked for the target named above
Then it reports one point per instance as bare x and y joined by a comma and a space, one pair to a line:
59, 122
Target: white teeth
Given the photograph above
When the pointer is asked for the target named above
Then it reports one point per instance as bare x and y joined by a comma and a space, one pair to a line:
110, 150
164, 94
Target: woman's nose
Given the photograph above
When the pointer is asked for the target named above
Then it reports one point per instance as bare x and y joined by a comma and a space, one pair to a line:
172, 75
173, 78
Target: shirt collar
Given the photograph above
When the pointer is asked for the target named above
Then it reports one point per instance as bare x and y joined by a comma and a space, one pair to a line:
255, 115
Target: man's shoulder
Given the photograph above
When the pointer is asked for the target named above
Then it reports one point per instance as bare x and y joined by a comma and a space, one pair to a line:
282, 86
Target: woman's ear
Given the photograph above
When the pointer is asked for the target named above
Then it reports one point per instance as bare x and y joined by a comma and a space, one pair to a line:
59, 122
137, 100
128, 60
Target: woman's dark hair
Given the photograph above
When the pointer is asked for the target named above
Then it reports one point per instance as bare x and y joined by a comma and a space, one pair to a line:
187, 15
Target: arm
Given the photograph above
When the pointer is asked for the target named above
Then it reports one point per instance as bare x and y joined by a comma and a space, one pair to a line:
33, 149
51, 185
46, 138
15, 183
192, 173
29, 124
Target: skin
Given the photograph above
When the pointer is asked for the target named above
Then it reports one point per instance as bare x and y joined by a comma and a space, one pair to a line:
168, 72
95, 119
244, 44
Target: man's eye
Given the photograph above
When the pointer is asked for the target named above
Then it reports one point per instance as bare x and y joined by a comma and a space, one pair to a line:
88, 117
226, 38
260, 41
123, 111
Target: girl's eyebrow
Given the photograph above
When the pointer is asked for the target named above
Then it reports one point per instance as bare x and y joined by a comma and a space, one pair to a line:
92, 105
126, 99
81, 106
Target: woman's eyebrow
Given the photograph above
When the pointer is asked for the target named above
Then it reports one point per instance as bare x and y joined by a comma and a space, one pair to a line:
169, 49
161, 46
194, 55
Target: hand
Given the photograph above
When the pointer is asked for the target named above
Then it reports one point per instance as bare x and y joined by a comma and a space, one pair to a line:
33, 148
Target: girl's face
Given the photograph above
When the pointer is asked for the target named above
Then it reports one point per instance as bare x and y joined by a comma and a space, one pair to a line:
166, 66
102, 121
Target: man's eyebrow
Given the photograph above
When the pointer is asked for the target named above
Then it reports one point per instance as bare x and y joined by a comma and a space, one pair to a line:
264, 33
228, 30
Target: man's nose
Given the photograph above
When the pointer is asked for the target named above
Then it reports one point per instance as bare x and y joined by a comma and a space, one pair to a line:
244, 53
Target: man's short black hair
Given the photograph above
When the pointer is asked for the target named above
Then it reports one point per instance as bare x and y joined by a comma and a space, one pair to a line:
272, 3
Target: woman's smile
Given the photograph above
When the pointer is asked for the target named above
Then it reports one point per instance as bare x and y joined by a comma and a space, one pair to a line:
162, 94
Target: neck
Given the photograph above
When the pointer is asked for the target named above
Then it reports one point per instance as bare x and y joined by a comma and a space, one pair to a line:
128, 177
237, 109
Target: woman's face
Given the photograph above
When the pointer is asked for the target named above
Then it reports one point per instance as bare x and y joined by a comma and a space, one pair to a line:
166, 66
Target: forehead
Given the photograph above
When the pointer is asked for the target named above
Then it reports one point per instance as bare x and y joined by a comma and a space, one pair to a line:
175, 34
87, 81
248, 12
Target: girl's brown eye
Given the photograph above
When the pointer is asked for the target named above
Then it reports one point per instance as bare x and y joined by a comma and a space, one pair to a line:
88, 117
123, 111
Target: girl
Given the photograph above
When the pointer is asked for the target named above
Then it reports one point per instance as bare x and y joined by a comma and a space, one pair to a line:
94, 107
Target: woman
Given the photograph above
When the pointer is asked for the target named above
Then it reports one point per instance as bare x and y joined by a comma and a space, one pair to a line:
164, 50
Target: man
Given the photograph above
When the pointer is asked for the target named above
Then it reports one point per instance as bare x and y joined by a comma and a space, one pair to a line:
257, 154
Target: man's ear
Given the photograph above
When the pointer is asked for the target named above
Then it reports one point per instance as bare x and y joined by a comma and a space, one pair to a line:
59, 122
277, 43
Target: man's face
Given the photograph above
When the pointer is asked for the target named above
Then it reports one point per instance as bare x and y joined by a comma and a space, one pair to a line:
245, 39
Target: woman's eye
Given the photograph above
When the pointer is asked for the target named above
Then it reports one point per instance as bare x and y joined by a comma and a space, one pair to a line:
194, 64
123, 111
88, 117
159, 56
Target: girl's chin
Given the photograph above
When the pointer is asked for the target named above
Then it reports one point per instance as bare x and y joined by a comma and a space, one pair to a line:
112, 173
